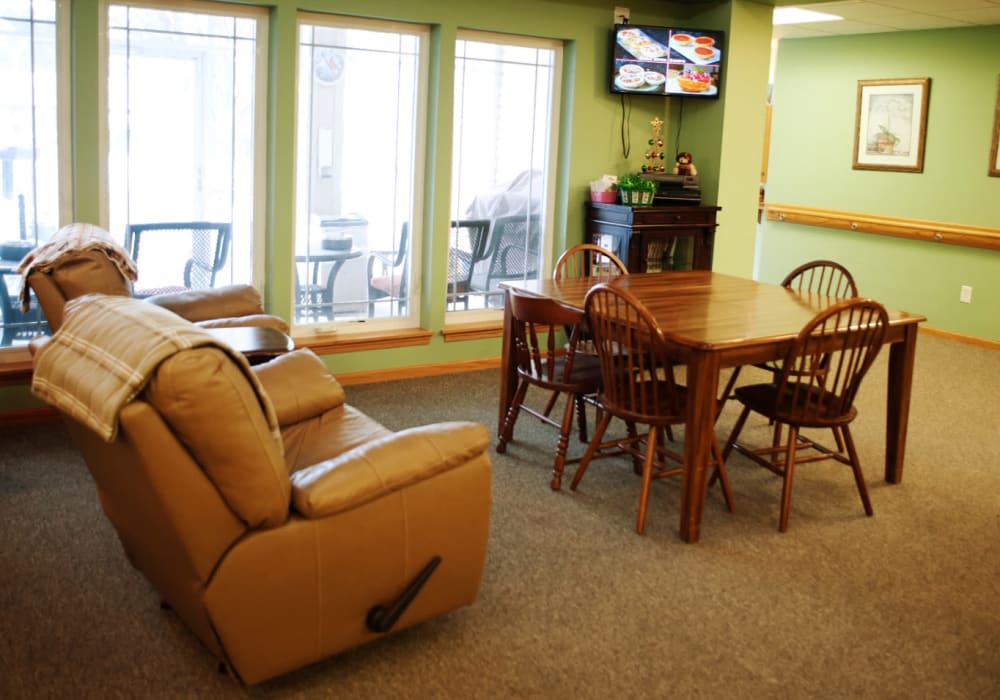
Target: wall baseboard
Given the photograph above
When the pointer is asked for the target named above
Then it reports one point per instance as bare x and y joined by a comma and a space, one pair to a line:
961, 338
393, 374
28, 416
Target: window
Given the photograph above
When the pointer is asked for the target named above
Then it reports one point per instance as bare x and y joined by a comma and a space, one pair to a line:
361, 91
34, 189
504, 136
185, 112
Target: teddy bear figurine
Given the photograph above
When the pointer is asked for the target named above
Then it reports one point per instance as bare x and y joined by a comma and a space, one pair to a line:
683, 164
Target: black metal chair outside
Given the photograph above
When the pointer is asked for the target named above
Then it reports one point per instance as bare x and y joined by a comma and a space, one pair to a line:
467, 247
18, 325
388, 273
208, 243
512, 253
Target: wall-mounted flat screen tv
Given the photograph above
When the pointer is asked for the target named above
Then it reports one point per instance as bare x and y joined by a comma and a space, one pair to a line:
666, 61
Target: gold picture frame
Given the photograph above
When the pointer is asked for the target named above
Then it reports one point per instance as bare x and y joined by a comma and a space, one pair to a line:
891, 124
995, 150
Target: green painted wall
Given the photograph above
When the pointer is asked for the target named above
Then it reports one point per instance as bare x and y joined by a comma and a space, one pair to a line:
812, 136
590, 128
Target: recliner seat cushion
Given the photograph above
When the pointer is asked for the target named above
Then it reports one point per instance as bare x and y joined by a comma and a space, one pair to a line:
382, 466
209, 404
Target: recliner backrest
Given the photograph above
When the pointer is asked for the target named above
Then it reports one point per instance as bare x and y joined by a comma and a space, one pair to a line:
208, 402
78, 273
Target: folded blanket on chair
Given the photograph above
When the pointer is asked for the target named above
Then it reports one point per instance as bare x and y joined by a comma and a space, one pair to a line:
106, 352
69, 239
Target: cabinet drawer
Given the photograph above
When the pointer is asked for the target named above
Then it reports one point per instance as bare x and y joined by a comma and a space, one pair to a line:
673, 217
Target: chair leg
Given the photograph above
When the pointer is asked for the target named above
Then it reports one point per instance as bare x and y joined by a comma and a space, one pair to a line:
859, 478
647, 480
551, 403
720, 472
776, 441
786, 487
839, 440
737, 429
581, 416
507, 431
727, 391
595, 442
563, 444
633, 437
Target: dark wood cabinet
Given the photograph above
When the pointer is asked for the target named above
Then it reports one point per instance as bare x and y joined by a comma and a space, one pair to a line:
655, 239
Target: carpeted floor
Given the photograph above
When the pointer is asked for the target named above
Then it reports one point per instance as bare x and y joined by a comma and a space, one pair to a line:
573, 603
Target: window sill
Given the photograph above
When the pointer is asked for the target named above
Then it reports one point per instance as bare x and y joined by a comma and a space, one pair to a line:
15, 366
330, 343
472, 331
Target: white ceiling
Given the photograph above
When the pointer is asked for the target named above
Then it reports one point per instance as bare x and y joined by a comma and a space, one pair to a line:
871, 16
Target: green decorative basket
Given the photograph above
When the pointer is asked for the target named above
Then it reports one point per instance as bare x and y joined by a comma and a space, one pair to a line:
636, 198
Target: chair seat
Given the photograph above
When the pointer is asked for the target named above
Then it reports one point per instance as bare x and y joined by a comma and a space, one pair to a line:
387, 284
808, 409
585, 375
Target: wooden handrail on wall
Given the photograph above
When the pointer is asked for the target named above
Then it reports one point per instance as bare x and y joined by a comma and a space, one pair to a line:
917, 229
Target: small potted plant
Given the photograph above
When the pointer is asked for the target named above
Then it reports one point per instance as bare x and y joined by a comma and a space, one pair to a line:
636, 190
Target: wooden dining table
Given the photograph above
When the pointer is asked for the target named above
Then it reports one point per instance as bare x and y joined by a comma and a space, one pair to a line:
713, 321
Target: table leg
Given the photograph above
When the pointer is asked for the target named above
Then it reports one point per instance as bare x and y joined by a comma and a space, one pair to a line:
508, 373
901, 357
703, 385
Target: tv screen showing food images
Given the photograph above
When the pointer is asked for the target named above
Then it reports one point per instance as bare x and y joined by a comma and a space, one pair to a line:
666, 61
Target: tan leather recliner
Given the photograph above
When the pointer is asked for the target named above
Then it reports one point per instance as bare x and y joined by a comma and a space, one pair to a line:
278, 552
92, 272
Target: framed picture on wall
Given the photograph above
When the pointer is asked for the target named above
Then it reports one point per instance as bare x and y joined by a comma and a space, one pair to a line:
995, 151
890, 124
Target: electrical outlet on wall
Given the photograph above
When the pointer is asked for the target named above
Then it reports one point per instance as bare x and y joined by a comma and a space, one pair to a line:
965, 294
621, 15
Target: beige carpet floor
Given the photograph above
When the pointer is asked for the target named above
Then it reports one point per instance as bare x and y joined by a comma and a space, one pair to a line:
573, 603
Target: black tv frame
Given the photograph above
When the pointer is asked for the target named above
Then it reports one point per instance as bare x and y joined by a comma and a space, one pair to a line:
668, 61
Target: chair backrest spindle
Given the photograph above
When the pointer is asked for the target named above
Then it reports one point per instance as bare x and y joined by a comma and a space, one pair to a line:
824, 277
824, 367
637, 374
588, 259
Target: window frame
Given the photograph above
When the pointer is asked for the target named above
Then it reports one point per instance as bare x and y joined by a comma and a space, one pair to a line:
261, 15
417, 244
17, 360
474, 317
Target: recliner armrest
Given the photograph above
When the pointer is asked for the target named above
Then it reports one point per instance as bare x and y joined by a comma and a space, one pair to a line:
217, 302
384, 466
265, 320
299, 385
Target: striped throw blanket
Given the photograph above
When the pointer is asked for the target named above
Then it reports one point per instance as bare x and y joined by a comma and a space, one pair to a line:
68, 239
106, 352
